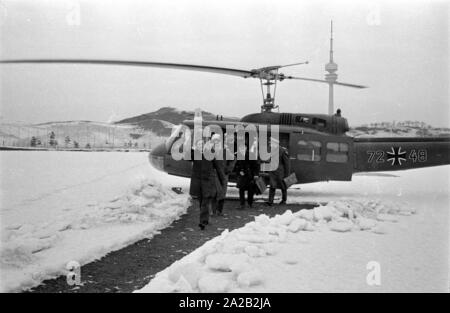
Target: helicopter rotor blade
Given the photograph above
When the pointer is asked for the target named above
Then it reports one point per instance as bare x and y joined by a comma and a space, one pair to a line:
258, 73
201, 68
326, 82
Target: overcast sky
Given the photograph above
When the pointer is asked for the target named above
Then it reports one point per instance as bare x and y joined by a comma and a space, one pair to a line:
399, 49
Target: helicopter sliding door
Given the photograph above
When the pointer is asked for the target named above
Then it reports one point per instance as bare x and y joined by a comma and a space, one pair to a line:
338, 158
305, 153
319, 158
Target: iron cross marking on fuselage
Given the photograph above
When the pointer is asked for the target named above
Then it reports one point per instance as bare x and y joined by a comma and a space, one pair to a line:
396, 156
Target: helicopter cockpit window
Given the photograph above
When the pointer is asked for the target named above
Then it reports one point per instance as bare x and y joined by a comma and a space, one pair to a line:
309, 151
302, 119
177, 133
337, 152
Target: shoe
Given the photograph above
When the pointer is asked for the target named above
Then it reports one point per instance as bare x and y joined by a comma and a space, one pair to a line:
282, 202
202, 227
269, 203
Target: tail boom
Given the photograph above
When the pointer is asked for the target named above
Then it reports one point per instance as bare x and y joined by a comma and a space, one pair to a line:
394, 154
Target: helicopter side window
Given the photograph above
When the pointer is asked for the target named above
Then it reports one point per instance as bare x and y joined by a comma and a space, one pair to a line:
309, 151
337, 152
319, 122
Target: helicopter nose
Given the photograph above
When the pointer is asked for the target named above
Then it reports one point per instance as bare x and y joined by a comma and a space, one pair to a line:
157, 155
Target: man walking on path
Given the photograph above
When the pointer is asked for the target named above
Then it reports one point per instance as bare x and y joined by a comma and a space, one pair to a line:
276, 177
247, 171
228, 167
206, 182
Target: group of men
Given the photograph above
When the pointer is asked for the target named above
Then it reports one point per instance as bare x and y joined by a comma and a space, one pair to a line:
209, 178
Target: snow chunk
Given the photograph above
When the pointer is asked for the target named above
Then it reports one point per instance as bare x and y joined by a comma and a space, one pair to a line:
250, 278
241, 267
341, 225
324, 213
225, 261
366, 223
189, 272
214, 283
297, 225
284, 219
305, 214
262, 220
254, 251
254, 238
182, 285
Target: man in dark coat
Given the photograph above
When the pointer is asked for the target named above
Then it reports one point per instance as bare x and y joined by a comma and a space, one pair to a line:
228, 169
222, 168
276, 177
229, 162
247, 171
206, 182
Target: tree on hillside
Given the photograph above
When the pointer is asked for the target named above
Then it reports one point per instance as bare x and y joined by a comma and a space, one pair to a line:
33, 141
52, 142
67, 141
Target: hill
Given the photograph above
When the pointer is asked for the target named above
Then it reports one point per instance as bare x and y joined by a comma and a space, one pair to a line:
161, 121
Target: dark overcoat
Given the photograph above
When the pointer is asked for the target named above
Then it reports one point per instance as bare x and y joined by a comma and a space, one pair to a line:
207, 178
250, 168
228, 166
276, 177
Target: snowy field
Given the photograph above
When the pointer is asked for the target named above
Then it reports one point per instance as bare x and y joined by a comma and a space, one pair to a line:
378, 233
58, 207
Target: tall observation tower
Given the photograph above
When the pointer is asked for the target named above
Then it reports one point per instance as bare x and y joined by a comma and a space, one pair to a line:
331, 77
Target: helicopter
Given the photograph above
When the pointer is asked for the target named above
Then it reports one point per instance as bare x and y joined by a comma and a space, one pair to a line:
318, 144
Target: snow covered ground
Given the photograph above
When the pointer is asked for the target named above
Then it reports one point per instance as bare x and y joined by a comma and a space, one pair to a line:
378, 233
58, 207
